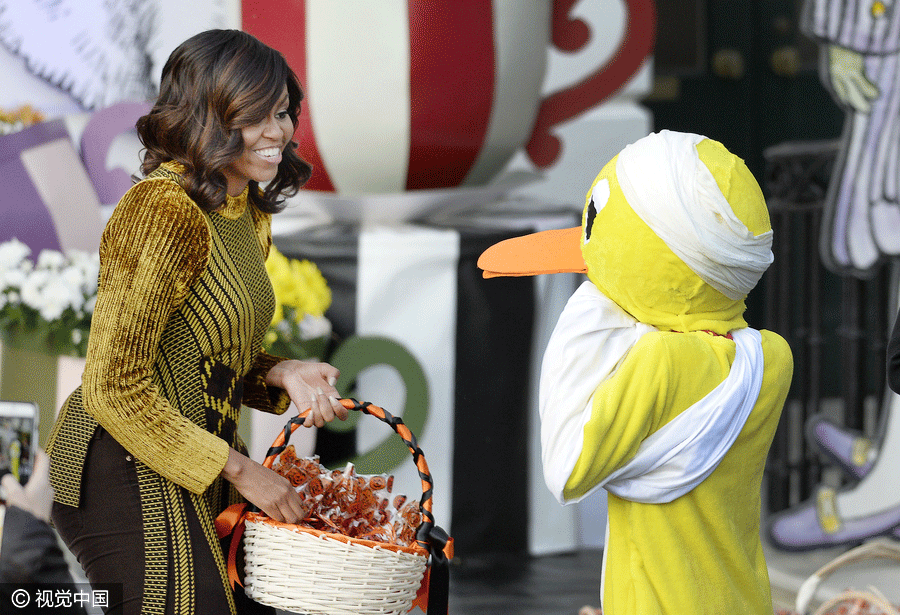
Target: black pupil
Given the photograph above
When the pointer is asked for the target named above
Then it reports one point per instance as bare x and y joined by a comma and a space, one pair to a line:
589, 224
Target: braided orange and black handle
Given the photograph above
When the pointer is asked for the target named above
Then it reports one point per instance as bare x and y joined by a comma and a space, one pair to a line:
428, 535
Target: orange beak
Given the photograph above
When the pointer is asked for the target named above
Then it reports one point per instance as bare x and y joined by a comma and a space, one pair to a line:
555, 251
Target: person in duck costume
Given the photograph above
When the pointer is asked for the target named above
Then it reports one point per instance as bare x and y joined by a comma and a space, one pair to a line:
653, 387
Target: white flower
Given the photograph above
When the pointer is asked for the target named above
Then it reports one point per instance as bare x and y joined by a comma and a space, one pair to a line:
84, 260
312, 327
51, 259
12, 278
74, 277
56, 299
12, 253
90, 285
75, 293
60, 289
49, 296
88, 266
32, 288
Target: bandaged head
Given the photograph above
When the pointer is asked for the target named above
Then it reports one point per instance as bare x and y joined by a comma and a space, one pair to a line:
675, 229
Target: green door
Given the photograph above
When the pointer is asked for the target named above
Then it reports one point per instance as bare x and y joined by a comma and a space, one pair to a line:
739, 72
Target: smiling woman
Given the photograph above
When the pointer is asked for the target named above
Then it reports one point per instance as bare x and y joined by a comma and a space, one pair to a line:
145, 454
263, 143
224, 96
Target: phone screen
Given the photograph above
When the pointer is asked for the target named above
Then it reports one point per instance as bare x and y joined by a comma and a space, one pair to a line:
18, 438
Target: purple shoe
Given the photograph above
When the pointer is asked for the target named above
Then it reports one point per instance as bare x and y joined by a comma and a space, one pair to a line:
816, 524
852, 452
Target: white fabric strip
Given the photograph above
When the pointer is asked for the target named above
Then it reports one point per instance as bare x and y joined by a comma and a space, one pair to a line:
357, 63
591, 338
685, 208
686, 450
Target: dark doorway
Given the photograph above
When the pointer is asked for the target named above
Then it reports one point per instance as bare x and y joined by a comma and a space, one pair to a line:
741, 73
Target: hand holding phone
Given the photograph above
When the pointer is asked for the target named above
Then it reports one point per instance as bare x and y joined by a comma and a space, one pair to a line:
36, 496
18, 440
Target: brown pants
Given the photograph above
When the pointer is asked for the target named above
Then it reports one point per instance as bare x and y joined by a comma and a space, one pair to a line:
106, 535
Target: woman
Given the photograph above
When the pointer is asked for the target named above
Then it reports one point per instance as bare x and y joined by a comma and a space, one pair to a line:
145, 454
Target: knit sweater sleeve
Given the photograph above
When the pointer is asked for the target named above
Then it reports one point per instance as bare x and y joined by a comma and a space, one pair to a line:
258, 394
155, 246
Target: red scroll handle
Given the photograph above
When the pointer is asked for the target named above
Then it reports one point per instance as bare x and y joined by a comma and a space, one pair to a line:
571, 35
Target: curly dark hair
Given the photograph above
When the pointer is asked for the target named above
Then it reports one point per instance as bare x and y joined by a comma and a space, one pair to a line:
214, 84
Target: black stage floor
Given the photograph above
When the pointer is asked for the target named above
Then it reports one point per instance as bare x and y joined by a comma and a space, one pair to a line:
523, 585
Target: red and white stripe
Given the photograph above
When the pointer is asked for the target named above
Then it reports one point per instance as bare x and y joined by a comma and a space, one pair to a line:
409, 94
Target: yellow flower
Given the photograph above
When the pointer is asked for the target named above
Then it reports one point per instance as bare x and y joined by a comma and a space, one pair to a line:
26, 114
313, 295
298, 284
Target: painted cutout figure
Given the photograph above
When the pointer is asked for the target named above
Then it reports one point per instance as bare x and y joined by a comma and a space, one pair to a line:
860, 59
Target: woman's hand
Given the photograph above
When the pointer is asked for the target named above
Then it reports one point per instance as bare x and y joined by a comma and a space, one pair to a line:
264, 488
310, 385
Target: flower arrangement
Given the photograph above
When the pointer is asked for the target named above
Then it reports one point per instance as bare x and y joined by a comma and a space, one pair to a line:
50, 300
299, 328
17, 119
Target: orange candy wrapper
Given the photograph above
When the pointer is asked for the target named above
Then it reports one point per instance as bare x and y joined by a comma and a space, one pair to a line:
343, 502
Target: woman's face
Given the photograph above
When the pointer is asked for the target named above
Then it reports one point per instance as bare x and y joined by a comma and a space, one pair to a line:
263, 144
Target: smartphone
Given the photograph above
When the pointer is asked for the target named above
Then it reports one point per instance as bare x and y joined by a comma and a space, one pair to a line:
18, 438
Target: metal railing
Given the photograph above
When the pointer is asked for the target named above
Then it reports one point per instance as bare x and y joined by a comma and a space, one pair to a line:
837, 326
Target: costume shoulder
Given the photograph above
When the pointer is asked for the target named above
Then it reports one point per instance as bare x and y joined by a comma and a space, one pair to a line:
779, 360
776, 346
671, 361
662, 375
623, 410
660, 358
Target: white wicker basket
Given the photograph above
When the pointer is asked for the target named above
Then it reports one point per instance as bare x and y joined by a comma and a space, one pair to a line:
308, 571
862, 601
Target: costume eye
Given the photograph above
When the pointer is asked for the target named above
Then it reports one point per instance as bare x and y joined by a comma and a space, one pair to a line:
599, 199
589, 223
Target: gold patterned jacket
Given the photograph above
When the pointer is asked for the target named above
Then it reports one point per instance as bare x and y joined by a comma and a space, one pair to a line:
175, 348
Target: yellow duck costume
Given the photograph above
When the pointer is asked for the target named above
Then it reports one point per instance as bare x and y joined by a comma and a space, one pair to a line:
653, 386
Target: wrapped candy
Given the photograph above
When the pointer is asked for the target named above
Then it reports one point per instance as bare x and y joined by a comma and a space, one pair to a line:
358, 506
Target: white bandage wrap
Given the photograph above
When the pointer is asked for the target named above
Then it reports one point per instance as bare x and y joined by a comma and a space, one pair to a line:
590, 341
685, 208
591, 338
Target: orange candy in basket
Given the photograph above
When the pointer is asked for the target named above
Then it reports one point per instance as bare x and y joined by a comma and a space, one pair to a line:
346, 503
